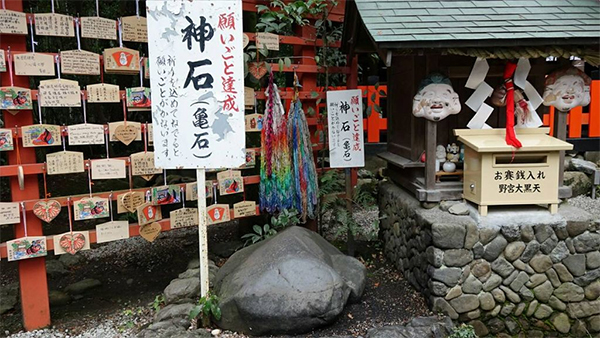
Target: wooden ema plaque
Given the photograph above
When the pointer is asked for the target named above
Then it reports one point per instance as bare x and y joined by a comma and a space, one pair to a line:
64, 162
103, 93
3, 61
34, 64
95, 27
52, 24
86, 133
6, 140
79, 62
113, 127
59, 93
134, 28
138, 98
15, 98
121, 61
41, 135
12, 22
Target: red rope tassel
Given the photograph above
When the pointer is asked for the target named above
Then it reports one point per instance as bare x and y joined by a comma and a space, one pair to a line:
511, 138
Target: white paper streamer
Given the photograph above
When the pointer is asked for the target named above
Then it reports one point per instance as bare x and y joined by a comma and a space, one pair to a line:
482, 92
532, 94
520, 77
33, 42
478, 73
120, 30
483, 113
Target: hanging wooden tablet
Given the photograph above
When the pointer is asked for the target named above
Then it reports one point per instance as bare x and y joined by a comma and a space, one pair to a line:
71, 242
167, 194
79, 62
250, 159
26, 247
86, 133
254, 122
34, 64
6, 140
10, 213
184, 217
148, 213
269, 41
138, 98
135, 28
12, 22
143, 164
150, 134
245, 40
114, 126
230, 182
91, 208
108, 168
244, 209
59, 93
41, 135
217, 213
64, 162
121, 60
95, 27
150, 231
52, 24
249, 99
103, 93
15, 98
146, 68
3, 61
129, 201
191, 191
257, 69
112, 231
46, 210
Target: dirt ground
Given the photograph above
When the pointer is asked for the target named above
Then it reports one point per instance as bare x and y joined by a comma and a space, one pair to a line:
133, 272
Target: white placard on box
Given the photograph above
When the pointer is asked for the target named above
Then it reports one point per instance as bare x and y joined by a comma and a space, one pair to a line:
345, 118
197, 79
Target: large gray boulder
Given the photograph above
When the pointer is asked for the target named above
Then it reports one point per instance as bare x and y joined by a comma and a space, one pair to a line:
291, 283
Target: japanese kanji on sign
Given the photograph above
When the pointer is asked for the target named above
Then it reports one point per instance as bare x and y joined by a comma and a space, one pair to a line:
345, 120
197, 81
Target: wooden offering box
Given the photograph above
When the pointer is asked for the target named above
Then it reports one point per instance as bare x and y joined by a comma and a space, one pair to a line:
498, 174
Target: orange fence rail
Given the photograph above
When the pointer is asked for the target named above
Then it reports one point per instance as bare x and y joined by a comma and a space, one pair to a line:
579, 118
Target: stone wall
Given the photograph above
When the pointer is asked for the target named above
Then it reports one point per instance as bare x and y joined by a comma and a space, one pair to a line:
519, 270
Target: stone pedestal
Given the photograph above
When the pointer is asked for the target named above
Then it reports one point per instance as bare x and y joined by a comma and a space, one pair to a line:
520, 269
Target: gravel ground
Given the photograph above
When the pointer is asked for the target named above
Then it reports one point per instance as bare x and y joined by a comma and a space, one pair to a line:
587, 203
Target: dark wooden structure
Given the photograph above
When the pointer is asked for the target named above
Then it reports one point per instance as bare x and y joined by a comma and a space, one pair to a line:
415, 38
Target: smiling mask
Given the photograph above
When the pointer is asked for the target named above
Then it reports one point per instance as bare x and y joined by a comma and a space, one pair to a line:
567, 89
436, 98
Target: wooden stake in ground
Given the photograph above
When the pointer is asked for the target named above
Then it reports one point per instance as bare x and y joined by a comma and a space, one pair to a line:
202, 232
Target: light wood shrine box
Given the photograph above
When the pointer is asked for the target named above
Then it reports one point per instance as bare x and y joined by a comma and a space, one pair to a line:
498, 174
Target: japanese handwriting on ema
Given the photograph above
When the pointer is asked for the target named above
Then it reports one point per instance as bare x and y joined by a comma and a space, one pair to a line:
166, 110
519, 175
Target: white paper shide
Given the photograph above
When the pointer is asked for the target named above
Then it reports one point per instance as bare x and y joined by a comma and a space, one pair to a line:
197, 82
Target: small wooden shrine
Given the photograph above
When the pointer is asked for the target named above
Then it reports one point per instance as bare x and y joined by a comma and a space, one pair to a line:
417, 38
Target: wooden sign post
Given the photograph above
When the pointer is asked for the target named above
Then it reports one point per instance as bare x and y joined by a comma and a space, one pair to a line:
205, 76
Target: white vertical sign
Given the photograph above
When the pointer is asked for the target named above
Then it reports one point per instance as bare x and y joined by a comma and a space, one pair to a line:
345, 124
197, 80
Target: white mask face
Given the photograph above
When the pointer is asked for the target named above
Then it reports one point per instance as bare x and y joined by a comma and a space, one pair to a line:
568, 92
435, 102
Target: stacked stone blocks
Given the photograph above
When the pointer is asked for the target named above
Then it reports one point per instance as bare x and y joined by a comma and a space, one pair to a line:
518, 275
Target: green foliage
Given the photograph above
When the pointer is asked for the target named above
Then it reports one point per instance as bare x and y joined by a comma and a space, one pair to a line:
259, 234
463, 331
158, 303
280, 17
207, 308
331, 191
283, 220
